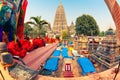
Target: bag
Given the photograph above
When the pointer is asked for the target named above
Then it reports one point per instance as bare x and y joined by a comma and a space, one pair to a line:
21, 72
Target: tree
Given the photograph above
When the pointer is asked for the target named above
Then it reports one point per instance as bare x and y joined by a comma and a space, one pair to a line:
65, 35
103, 33
28, 29
57, 37
86, 25
39, 25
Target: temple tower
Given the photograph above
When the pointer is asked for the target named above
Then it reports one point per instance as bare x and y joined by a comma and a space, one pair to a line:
72, 29
60, 23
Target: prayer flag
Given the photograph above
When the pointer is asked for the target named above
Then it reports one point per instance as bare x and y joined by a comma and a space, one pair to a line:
20, 26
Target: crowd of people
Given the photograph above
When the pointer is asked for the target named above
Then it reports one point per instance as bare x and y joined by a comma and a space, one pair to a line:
22, 46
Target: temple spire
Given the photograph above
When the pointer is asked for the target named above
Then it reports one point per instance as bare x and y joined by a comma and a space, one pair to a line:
60, 23
60, 2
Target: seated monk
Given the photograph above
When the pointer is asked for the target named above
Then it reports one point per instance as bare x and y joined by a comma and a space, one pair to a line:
38, 42
15, 48
26, 44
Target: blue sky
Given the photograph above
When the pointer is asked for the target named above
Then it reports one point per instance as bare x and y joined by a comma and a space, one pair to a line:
73, 9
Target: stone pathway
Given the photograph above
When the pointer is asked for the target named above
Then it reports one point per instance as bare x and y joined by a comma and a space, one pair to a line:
76, 68
58, 73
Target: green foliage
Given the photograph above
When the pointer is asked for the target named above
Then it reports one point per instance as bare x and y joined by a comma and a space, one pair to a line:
39, 25
57, 37
86, 25
65, 35
103, 33
28, 30
42, 32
